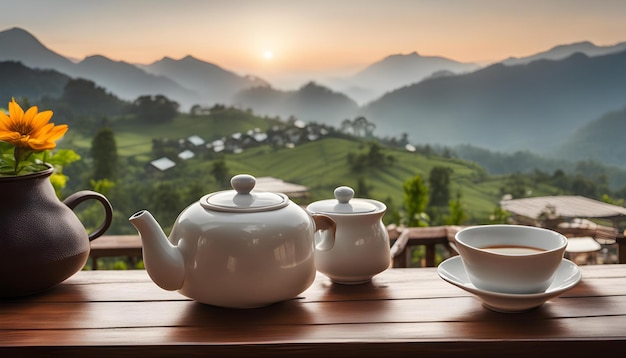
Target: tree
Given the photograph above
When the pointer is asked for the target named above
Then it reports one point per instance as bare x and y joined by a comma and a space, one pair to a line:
439, 185
346, 126
166, 203
404, 139
104, 154
583, 186
457, 214
415, 201
86, 98
362, 189
359, 124
195, 110
155, 109
515, 185
374, 158
560, 180
220, 172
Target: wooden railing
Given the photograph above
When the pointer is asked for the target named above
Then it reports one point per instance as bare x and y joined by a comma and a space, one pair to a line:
402, 240
429, 237
115, 245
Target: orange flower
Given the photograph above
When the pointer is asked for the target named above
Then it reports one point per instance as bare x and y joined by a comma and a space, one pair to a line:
29, 130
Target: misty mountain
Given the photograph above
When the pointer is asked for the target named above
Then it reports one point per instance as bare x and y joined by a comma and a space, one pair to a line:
498, 163
310, 103
124, 79
600, 140
212, 83
394, 72
129, 82
562, 51
20, 81
533, 106
19, 45
78, 102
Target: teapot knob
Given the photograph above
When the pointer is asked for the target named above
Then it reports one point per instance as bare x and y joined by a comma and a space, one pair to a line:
243, 183
343, 194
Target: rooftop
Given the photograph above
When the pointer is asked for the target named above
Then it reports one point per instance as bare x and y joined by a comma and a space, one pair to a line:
566, 206
279, 186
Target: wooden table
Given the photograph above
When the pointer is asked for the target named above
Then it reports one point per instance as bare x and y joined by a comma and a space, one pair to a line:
403, 312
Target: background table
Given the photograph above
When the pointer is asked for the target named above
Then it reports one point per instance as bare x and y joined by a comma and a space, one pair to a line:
403, 312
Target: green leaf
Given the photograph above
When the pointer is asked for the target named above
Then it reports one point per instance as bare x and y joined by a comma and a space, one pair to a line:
63, 157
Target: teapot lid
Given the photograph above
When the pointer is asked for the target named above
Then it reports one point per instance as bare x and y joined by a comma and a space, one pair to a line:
344, 203
242, 199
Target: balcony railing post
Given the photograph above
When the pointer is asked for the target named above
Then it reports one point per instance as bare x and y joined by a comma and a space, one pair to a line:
621, 248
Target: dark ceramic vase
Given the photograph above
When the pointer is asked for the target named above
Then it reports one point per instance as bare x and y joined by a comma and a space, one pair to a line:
42, 241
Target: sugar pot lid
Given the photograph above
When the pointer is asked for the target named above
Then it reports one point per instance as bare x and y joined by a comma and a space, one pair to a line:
243, 199
345, 203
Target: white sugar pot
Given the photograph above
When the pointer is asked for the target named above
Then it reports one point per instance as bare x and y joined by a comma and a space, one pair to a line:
361, 248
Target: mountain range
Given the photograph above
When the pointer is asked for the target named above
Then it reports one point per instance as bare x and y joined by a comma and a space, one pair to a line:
396, 71
126, 80
561, 52
531, 106
541, 102
209, 82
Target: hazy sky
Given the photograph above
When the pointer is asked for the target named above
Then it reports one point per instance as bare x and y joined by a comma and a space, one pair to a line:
331, 36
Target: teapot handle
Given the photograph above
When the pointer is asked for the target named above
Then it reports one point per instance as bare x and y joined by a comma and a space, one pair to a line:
73, 200
328, 227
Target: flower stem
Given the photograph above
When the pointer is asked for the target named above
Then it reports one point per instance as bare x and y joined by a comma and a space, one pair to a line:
20, 154
17, 155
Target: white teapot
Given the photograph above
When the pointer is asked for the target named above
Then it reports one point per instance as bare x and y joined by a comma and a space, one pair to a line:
361, 248
235, 248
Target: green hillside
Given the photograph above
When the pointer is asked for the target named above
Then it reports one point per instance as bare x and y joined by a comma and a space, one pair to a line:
321, 165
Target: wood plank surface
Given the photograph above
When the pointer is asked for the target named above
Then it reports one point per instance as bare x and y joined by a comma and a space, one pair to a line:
402, 311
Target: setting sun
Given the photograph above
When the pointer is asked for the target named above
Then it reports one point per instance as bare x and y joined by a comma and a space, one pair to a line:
268, 55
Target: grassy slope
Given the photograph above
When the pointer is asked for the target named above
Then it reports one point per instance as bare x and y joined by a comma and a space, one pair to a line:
320, 165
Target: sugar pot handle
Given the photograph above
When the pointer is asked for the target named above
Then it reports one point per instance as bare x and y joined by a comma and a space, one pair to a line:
328, 228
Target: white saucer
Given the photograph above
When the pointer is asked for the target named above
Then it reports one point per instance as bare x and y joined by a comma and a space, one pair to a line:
567, 276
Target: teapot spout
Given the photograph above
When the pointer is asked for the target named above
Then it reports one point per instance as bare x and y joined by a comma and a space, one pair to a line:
163, 261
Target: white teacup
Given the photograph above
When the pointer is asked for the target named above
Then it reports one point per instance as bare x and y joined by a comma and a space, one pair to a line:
511, 258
